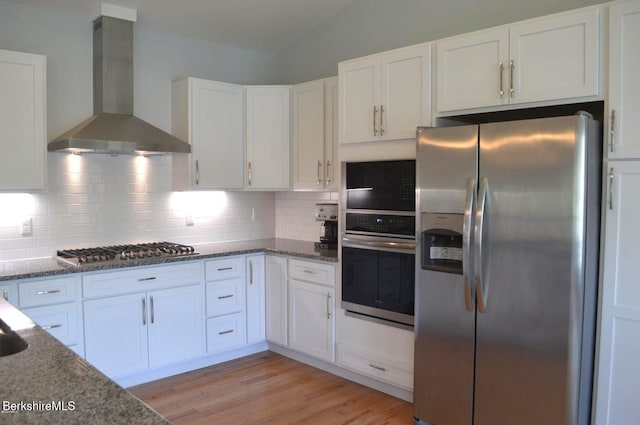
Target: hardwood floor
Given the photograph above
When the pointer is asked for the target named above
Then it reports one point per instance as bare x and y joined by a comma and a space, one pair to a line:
267, 388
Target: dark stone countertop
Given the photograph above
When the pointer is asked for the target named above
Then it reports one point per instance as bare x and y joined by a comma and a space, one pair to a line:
48, 372
42, 267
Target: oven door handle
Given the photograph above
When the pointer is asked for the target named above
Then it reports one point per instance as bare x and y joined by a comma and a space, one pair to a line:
382, 245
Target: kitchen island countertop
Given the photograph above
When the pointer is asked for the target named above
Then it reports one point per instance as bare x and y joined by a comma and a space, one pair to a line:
42, 267
49, 384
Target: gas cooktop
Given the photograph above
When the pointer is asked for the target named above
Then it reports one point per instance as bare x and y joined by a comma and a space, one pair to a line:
117, 253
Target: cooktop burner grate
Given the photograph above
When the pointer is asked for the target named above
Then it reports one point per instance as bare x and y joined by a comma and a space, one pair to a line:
82, 256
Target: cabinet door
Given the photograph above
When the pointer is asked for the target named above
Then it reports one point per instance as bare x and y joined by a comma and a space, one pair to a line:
255, 299
311, 328
22, 120
624, 84
308, 135
175, 325
115, 334
554, 57
471, 70
268, 137
405, 93
331, 165
9, 292
359, 94
618, 376
276, 299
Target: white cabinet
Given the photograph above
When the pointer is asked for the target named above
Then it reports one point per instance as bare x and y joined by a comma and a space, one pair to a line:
9, 292
385, 96
618, 378
210, 116
22, 120
549, 58
255, 298
143, 318
268, 141
624, 86
276, 299
311, 308
315, 134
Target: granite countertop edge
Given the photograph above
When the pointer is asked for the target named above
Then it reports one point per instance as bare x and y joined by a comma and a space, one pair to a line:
49, 266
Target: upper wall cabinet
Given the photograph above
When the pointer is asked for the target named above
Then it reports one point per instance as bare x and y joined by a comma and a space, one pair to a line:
209, 115
624, 87
315, 112
22, 121
549, 58
385, 96
268, 140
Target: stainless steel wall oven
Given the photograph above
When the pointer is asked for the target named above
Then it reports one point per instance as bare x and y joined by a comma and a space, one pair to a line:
378, 240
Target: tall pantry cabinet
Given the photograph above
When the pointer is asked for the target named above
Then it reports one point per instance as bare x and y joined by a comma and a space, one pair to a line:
618, 379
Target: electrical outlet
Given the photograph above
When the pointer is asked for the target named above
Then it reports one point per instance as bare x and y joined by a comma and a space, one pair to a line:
26, 229
189, 220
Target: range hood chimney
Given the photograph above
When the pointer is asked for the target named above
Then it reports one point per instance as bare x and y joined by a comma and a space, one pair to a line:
113, 129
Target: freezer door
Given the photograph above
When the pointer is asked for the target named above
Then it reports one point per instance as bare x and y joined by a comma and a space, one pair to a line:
447, 161
530, 280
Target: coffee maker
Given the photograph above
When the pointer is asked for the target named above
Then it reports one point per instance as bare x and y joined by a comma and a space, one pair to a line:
328, 215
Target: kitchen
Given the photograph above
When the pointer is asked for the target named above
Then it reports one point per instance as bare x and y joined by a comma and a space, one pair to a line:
85, 203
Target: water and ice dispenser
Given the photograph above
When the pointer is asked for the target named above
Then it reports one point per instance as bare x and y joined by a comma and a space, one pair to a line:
442, 242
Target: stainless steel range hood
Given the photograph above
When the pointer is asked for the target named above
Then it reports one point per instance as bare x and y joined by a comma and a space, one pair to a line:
113, 129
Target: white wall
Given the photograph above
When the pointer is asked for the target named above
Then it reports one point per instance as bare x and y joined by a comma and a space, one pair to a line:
372, 26
295, 214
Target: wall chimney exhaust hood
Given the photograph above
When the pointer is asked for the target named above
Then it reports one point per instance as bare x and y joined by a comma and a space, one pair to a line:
113, 129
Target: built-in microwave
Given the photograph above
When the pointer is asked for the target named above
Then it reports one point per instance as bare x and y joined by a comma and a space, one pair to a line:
378, 240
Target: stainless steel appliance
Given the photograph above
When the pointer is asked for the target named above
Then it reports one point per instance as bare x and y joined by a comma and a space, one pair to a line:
328, 215
378, 241
506, 275
123, 253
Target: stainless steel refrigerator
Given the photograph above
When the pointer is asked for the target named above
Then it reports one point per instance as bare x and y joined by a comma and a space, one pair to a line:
506, 271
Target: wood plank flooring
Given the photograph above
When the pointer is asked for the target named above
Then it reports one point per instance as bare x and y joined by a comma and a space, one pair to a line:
267, 388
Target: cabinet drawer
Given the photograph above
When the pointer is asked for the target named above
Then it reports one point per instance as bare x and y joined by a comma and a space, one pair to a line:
225, 296
309, 271
391, 370
50, 291
225, 332
61, 321
224, 268
141, 279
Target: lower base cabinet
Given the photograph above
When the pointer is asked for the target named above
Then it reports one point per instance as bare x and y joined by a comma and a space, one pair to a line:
225, 332
130, 333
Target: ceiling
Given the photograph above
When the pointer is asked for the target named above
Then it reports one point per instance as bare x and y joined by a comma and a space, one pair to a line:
265, 25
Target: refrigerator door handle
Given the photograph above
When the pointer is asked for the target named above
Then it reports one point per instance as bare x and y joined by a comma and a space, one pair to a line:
467, 243
481, 283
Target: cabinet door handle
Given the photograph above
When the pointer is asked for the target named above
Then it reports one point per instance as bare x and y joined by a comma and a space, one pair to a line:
612, 130
375, 128
611, 176
48, 292
5, 294
310, 271
328, 172
512, 66
47, 327
152, 311
380, 368
501, 77
249, 175
250, 272
146, 279
319, 171
225, 332
144, 311
328, 305
381, 120
197, 173
222, 297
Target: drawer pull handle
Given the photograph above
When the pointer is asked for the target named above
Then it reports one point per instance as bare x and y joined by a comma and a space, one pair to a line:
377, 367
310, 271
224, 269
221, 297
48, 292
225, 332
47, 327
145, 279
